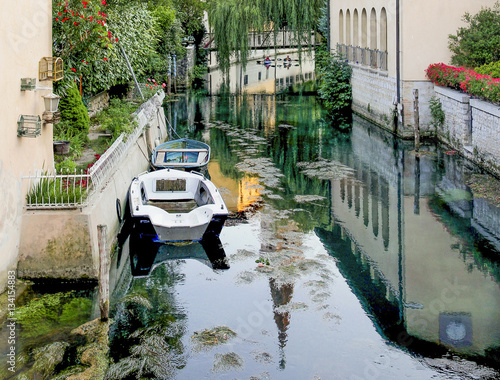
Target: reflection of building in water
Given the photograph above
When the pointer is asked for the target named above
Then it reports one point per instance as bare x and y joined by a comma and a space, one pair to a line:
262, 78
412, 266
239, 195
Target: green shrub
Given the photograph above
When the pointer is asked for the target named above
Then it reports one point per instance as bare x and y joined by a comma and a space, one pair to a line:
437, 113
492, 69
335, 89
117, 118
73, 111
66, 166
479, 42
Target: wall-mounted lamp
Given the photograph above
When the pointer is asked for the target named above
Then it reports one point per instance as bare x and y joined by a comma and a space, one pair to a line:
50, 68
29, 126
51, 104
28, 84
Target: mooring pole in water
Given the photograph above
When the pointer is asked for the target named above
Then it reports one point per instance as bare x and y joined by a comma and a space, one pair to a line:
416, 120
103, 272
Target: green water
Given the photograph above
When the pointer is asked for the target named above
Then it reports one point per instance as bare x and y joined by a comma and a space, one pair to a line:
345, 257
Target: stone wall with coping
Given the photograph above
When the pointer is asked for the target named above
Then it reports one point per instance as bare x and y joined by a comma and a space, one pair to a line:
472, 127
456, 129
486, 134
97, 103
374, 97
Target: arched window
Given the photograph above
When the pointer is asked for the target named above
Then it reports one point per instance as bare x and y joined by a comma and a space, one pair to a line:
341, 27
364, 29
383, 30
373, 29
348, 27
355, 28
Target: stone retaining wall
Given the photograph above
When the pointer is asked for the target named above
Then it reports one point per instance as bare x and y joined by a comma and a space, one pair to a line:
378, 104
63, 243
98, 103
472, 127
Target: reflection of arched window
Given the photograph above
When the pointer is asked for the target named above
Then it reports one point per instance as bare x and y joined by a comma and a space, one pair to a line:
341, 27
364, 31
373, 29
355, 29
383, 30
348, 27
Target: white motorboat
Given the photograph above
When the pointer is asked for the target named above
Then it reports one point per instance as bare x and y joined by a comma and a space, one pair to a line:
176, 205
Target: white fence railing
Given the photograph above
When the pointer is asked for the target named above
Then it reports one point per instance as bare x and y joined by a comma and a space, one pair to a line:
72, 190
60, 191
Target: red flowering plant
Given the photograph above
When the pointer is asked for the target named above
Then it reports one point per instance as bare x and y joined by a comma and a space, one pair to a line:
81, 36
466, 80
86, 34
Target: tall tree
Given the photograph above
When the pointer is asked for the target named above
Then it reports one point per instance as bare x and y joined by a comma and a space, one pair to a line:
231, 20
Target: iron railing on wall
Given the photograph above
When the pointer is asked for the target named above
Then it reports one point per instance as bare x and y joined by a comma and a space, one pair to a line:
69, 190
65, 190
375, 59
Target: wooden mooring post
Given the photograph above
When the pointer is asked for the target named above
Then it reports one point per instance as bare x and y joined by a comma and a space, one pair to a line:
416, 119
103, 272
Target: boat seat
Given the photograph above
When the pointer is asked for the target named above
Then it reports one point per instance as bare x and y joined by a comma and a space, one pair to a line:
160, 158
176, 206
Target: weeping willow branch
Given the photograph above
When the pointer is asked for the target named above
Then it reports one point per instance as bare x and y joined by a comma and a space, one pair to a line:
232, 20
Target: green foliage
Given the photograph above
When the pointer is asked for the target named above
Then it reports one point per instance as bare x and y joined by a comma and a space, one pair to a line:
437, 113
73, 112
66, 166
63, 131
492, 69
117, 118
91, 45
49, 312
335, 89
479, 42
51, 190
231, 21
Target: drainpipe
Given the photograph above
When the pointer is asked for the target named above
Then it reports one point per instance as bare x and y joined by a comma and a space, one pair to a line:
398, 65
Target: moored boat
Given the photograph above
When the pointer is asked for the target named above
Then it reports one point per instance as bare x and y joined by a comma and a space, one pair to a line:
181, 154
176, 205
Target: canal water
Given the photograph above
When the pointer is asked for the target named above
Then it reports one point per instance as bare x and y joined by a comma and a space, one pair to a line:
345, 256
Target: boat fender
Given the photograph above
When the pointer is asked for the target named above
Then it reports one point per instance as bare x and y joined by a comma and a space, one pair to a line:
119, 210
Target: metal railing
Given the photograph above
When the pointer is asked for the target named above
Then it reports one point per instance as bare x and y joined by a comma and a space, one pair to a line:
72, 190
58, 191
375, 59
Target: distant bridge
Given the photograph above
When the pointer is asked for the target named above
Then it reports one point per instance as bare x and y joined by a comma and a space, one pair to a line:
265, 40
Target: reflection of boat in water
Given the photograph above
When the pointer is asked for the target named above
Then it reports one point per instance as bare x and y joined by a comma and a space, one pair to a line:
173, 205
180, 154
145, 254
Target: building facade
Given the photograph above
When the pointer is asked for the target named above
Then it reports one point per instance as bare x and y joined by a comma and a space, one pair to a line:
389, 44
25, 38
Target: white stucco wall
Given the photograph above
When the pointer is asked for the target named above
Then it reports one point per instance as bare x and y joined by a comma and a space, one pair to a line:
26, 35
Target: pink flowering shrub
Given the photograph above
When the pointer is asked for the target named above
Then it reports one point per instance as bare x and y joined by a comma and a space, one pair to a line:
468, 81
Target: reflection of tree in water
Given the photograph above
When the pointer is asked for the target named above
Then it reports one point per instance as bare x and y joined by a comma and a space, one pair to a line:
145, 340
